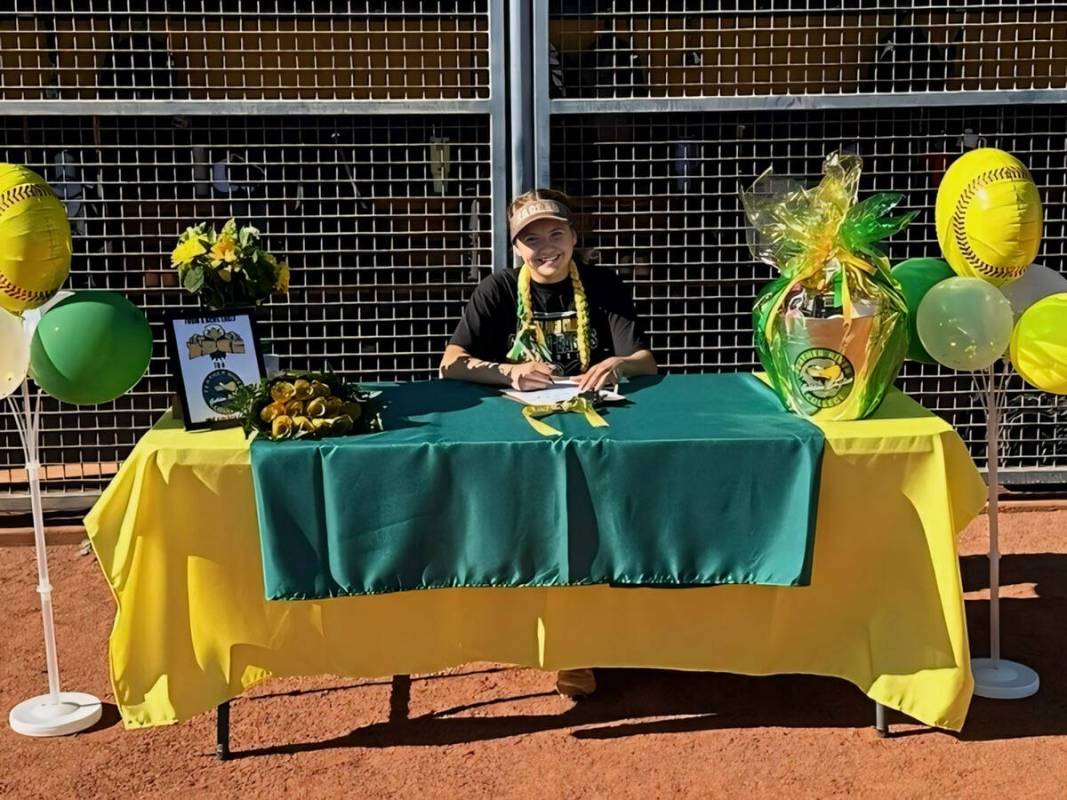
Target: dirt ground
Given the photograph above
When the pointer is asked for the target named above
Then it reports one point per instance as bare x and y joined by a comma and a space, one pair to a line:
484, 730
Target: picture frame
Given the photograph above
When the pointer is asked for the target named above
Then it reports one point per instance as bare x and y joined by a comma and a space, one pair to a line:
212, 353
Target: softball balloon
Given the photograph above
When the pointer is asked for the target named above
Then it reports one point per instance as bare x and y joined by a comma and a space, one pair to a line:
35, 243
988, 216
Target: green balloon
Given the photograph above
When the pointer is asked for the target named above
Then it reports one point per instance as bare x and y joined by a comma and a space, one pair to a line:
90, 348
916, 277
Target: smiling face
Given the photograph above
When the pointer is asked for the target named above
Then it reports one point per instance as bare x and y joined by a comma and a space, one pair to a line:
547, 245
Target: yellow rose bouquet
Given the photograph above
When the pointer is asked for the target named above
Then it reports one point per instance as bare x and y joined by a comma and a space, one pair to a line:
228, 268
312, 405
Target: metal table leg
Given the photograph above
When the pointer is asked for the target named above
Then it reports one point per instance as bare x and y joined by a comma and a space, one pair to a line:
880, 723
398, 711
398, 701
222, 731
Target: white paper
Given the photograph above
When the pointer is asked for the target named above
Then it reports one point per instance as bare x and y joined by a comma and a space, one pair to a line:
560, 391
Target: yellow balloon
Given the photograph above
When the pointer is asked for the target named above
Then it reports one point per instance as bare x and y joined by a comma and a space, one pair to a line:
35, 246
988, 216
1039, 344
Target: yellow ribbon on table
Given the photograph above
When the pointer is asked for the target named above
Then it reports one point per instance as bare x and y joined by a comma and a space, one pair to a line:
578, 405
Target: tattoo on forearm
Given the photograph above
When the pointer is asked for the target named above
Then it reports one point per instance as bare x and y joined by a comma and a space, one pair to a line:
476, 363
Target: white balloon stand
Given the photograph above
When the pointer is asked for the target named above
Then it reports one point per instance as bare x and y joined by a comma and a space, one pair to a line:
996, 677
56, 713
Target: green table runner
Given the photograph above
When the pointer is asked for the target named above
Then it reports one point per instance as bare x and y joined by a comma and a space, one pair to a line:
701, 479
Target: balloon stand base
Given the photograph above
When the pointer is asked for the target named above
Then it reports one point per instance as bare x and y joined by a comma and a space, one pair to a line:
1006, 680
39, 716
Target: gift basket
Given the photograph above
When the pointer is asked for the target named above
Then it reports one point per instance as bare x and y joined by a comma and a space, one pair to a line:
831, 331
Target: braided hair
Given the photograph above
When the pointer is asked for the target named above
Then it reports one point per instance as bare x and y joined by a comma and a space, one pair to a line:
530, 344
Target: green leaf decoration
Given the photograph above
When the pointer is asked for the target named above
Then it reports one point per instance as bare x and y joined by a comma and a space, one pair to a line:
193, 280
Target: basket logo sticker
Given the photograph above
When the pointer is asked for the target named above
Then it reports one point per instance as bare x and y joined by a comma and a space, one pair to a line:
959, 215
824, 377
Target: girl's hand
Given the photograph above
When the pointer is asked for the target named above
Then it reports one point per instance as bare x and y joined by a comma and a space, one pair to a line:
530, 375
607, 371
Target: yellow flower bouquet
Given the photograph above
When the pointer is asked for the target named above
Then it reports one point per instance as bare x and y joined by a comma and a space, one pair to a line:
228, 268
312, 405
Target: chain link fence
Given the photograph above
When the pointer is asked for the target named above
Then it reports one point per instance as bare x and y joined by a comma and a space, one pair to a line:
657, 113
364, 139
710, 48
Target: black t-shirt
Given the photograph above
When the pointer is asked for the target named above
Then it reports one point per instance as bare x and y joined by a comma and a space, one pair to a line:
489, 323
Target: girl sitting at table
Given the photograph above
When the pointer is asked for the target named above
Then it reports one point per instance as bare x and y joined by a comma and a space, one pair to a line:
557, 314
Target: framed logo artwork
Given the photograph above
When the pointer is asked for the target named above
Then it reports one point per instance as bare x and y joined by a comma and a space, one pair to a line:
213, 354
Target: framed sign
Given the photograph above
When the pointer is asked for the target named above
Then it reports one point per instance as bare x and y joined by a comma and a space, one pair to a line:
212, 354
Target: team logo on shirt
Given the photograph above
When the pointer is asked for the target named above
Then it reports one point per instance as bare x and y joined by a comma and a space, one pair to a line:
561, 335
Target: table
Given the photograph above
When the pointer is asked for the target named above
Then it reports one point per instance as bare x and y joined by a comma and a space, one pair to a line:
700, 480
176, 535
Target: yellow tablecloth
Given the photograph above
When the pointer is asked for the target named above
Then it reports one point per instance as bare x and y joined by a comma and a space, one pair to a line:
177, 537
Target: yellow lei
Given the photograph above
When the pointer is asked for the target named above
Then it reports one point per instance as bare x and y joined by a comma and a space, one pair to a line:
530, 342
